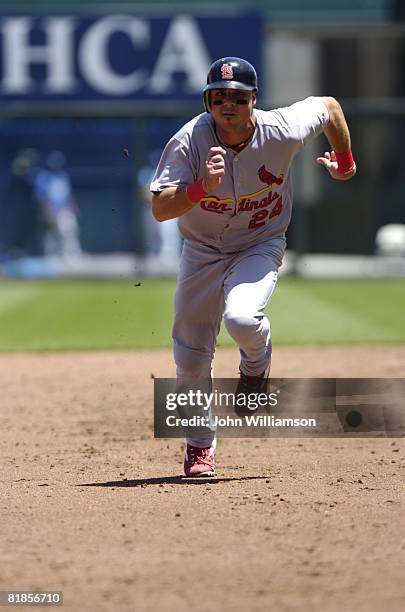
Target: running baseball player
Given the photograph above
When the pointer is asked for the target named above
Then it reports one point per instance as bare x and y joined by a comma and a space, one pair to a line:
226, 175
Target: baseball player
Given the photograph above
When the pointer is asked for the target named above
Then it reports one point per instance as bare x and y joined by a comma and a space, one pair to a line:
226, 175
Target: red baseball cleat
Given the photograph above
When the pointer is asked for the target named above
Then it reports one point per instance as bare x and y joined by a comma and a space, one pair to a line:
199, 461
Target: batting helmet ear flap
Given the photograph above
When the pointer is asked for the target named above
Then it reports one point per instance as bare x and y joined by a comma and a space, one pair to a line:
206, 99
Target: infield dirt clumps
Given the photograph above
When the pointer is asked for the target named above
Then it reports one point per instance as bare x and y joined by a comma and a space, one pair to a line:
94, 506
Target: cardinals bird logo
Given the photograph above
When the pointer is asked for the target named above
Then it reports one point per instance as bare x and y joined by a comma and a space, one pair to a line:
269, 178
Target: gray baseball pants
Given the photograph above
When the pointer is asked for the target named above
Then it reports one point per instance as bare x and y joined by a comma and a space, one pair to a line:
232, 286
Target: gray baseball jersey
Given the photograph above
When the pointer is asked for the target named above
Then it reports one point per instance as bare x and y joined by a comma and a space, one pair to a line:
254, 200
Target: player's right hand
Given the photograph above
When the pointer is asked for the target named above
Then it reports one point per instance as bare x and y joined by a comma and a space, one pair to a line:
214, 169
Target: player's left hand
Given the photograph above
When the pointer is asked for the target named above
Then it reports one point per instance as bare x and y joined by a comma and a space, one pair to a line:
329, 162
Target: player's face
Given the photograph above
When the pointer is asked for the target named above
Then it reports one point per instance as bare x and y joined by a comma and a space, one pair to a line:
231, 108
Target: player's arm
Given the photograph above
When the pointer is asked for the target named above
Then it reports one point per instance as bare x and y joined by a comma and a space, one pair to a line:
170, 203
339, 161
174, 202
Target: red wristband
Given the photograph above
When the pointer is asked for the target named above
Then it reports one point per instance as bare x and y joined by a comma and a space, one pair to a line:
195, 191
345, 161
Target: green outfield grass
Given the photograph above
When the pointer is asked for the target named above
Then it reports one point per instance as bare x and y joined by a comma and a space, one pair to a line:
63, 315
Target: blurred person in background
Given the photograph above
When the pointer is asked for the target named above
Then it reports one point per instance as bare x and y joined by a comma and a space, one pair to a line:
53, 190
21, 233
162, 241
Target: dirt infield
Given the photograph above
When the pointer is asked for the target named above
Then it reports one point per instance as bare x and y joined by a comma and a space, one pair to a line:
92, 505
